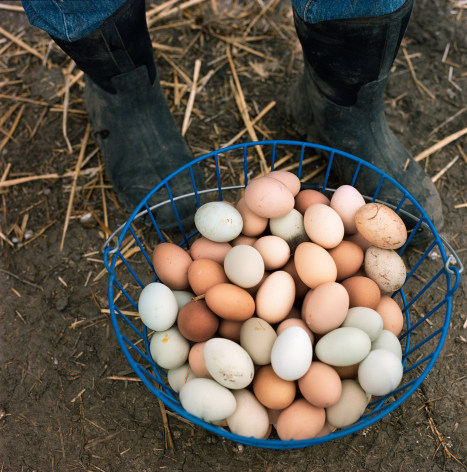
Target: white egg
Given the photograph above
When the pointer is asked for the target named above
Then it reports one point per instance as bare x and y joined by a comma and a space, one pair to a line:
244, 266
343, 346
380, 372
389, 341
228, 363
218, 221
289, 227
169, 349
206, 399
250, 418
366, 319
157, 306
292, 353
180, 376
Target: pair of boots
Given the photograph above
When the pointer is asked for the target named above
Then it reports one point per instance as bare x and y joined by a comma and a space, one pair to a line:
338, 101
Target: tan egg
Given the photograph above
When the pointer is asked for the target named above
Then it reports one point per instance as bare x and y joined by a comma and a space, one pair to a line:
204, 273
230, 329
348, 257
301, 420
300, 287
253, 225
307, 197
289, 179
204, 248
347, 371
243, 240
362, 291
230, 302
196, 322
257, 337
196, 361
314, 264
393, 319
275, 297
244, 266
268, 197
274, 251
323, 225
272, 391
346, 201
321, 385
171, 264
386, 268
288, 322
325, 307
381, 226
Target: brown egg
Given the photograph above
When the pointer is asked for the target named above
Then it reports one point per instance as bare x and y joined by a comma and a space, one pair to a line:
196, 322
272, 391
243, 239
288, 322
307, 197
300, 288
196, 361
289, 179
230, 329
171, 264
230, 302
314, 264
253, 225
325, 307
204, 248
268, 197
274, 251
362, 292
203, 274
301, 420
348, 257
321, 385
393, 319
347, 371
275, 297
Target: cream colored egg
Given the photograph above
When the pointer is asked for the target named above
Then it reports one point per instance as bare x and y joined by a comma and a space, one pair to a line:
244, 266
274, 251
323, 225
257, 337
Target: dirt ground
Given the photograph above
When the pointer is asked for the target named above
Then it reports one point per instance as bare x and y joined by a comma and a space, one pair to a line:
65, 404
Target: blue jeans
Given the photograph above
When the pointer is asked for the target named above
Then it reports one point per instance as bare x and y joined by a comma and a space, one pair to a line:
71, 20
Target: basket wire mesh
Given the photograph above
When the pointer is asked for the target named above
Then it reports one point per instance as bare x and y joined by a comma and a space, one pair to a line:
425, 298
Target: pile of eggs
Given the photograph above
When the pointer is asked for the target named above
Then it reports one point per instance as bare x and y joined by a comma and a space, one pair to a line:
280, 314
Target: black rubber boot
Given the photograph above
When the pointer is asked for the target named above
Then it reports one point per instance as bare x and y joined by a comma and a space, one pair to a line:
339, 101
130, 118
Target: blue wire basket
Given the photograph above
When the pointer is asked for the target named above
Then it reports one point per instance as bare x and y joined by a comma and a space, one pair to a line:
425, 298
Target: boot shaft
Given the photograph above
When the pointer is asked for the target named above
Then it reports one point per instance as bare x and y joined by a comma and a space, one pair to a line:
121, 44
344, 55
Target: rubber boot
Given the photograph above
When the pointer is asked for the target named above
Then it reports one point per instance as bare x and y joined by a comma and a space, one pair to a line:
129, 115
339, 101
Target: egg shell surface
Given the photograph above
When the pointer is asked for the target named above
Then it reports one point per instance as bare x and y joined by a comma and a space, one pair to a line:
206, 399
157, 306
204, 273
180, 376
271, 390
244, 266
343, 346
290, 228
253, 224
386, 268
381, 226
348, 257
289, 179
196, 361
169, 349
346, 201
228, 363
389, 310
171, 264
307, 197
197, 322
321, 385
314, 264
230, 302
301, 420
268, 197
274, 251
257, 337
323, 225
292, 353
362, 291
203, 248
218, 221
275, 297
388, 341
366, 319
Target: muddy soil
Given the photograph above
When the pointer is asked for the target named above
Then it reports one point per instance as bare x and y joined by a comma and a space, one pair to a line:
68, 398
